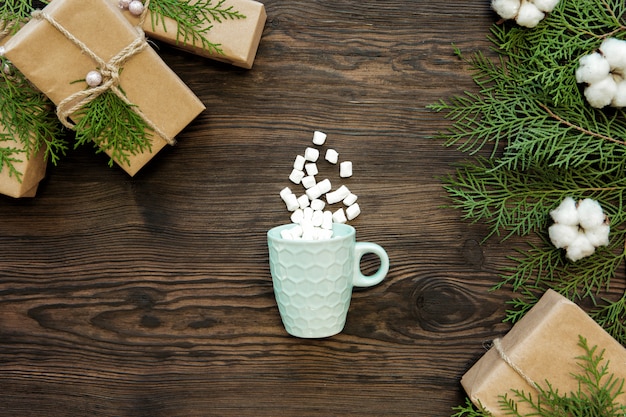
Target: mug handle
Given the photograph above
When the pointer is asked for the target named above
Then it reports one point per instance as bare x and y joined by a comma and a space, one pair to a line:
360, 249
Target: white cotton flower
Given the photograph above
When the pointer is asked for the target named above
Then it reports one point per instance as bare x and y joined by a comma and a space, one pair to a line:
546, 6
599, 235
529, 15
601, 93
566, 213
614, 50
592, 68
579, 248
619, 99
562, 235
590, 214
506, 9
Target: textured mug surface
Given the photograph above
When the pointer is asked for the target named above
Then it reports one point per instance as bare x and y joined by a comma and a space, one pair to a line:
313, 279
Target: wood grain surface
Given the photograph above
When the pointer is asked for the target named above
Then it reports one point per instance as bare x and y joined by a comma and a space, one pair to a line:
151, 296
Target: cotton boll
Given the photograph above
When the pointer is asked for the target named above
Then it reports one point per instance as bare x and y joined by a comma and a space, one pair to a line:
506, 9
619, 99
614, 50
590, 214
529, 15
601, 93
592, 68
562, 235
546, 6
579, 248
598, 236
566, 213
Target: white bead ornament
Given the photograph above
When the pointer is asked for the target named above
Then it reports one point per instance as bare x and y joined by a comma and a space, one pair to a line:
123, 4
135, 7
93, 78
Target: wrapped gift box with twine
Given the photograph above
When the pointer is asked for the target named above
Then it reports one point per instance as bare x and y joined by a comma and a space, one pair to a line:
542, 346
234, 27
70, 39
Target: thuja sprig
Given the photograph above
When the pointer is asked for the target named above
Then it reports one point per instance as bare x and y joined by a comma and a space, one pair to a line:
13, 13
597, 393
194, 19
27, 117
543, 142
113, 127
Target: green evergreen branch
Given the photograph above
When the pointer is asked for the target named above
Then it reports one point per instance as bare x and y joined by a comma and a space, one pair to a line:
112, 126
14, 13
597, 393
27, 116
543, 143
194, 19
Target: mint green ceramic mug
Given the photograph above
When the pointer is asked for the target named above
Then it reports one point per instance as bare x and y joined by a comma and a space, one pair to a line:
313, 279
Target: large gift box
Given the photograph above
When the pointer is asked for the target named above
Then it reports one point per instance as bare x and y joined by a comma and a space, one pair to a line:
543, 346
54, 63
238, 38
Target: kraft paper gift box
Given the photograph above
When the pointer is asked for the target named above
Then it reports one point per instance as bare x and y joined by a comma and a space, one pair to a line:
53, 63
238, 38
32, 168
543, 345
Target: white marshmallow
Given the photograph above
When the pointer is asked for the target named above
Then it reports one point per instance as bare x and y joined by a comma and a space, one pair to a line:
350, 199
296, 231
291, 201
318, 204
296, 176
345, 169
303, 201
332, 156
339, 216
308, 232
299, 163
327, 220
285, 192
323, 234
311, 154
353, 211
325, 186
318, 218
308, 215
297, 216
308, 181
337, 195
314, 192
311, 168
286, 234
319, 137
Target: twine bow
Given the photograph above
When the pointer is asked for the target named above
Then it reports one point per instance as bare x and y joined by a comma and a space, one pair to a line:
110, 76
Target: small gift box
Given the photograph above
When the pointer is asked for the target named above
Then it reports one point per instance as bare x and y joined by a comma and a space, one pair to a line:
29, 168
542, 346
70, 39
237, 33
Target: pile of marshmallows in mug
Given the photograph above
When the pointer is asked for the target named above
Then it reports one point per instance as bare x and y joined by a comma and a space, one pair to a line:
311, 218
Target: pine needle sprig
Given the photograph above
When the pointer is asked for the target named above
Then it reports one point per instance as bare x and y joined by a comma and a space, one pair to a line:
194, 19
113, 127
14, 13
27, 117
597, 393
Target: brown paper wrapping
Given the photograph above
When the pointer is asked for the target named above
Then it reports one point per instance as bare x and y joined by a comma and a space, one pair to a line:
32, 167
544, 345
53, 64
239, 38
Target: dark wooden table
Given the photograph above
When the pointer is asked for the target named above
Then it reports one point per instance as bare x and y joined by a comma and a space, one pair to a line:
151, 296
